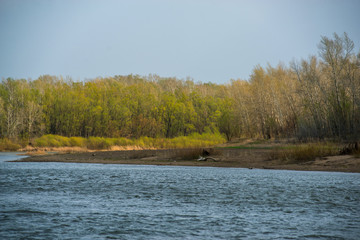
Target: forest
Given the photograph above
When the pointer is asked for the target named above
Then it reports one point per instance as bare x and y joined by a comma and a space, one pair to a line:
312, 99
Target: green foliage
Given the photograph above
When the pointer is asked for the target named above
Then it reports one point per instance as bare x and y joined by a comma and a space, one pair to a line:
122, 142
77, 142
99, 143
50, 140
311, 100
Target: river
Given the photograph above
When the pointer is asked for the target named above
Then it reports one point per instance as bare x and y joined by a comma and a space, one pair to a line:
97, 201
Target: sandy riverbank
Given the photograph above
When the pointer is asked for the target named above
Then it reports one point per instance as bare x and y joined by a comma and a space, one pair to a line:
225, 157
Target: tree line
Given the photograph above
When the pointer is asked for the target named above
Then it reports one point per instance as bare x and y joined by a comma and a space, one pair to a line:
316, 98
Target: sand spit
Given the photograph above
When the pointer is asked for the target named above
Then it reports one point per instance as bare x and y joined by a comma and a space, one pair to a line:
225, 157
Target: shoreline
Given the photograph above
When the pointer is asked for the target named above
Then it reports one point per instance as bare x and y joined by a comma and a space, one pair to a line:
222, 157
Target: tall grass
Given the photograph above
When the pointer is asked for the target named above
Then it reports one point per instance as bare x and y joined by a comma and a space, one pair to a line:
100, 143
304, 152
8, 145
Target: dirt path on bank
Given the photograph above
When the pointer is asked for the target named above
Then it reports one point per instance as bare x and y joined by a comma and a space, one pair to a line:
224, 157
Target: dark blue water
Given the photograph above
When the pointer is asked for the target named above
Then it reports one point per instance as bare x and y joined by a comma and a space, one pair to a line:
94, 201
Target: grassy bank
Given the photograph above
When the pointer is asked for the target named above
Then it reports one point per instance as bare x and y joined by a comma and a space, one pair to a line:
100, 143
288, 153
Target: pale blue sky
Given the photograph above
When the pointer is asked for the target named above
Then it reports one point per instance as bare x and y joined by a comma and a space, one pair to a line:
208, 40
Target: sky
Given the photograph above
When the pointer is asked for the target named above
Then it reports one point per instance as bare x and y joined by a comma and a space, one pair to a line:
206, 40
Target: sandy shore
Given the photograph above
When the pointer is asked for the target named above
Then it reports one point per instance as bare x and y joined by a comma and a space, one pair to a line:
222, 157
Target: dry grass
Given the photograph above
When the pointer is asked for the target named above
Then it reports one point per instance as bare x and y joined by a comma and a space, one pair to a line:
304, 152
8, 145
125, 148
44, 150
37, 153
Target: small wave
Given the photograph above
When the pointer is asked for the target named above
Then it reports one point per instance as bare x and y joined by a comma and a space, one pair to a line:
321, 236
24, 211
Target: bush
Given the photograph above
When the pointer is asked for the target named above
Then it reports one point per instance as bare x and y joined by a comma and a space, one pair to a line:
77, 142
52, 141
123, 142
98, 143
63, 141
195, 141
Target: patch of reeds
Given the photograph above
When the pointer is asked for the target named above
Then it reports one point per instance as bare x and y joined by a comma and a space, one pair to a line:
304, 152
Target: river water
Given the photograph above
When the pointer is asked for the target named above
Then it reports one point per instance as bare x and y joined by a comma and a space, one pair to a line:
96, 201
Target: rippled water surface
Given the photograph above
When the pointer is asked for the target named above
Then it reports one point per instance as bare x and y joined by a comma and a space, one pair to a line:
94, 201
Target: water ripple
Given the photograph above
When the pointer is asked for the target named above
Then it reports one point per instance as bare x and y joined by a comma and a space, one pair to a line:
94, 201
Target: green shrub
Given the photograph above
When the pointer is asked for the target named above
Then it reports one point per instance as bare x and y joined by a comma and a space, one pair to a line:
195, 140
50, 140
40, 142
62, 141
46, 141
98, 143
123, 142
77, 142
